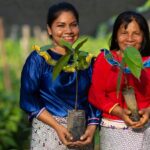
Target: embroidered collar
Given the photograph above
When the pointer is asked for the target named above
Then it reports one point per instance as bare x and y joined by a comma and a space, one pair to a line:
110, 59
68, 67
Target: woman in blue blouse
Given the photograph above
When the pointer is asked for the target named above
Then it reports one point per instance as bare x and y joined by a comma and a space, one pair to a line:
47, 102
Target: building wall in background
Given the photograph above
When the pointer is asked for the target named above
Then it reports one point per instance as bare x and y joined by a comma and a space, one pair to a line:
92, 12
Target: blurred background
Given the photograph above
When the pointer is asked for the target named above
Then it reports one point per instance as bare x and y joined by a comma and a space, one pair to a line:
23, 24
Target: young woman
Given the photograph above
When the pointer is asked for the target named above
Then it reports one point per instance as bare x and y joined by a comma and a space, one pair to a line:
118, 131
47, 102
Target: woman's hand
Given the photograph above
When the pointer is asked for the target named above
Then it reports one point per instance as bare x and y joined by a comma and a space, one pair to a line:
64, 135
145, 116
123, 114
61, 131
87, 137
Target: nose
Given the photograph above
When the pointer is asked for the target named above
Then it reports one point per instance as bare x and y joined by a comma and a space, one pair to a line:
130, 38
68, 29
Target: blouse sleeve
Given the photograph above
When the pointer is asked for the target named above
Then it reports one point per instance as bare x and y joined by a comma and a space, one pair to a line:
94, 115
29, 91
97, 93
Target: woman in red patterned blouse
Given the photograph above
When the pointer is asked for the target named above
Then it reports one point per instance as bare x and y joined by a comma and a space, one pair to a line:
118, 131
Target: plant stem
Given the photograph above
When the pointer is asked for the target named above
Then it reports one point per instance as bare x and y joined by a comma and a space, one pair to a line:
126, 81
76, 100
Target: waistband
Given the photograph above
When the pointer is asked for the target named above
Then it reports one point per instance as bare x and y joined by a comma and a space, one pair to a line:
114, 124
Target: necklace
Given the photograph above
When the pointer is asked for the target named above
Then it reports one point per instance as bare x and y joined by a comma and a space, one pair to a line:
83, 63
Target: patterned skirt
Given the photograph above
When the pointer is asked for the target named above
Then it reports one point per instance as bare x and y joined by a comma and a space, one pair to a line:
124, 138
45, 138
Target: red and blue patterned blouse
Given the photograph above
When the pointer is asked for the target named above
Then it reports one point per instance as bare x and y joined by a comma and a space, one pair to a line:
102, 93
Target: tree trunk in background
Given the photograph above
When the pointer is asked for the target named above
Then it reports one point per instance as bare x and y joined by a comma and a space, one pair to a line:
25, 44
5, 65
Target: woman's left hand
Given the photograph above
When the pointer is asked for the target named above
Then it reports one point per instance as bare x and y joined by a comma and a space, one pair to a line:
145, 116
87, 137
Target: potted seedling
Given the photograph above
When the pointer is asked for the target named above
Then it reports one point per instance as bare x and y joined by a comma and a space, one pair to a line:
80, 60
131, 61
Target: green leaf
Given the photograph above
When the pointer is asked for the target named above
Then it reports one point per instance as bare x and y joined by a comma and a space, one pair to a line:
67, 45
59, 65
9, 141
45, 48
3, 132
11, 126
133, 55
133, 59
82, 63
80, 44
135, 70
82, 53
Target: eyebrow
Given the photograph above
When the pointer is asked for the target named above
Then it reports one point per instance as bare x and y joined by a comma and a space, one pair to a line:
64, 22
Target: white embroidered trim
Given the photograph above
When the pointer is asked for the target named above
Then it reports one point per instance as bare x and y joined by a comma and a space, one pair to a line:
114, 124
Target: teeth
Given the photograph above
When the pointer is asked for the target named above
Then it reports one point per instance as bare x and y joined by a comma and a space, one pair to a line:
68, 38
129, 45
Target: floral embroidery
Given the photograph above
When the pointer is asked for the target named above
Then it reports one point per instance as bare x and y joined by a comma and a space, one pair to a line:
69, 67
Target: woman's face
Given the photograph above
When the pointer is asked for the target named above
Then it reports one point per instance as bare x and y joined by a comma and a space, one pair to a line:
65, 27
130, 36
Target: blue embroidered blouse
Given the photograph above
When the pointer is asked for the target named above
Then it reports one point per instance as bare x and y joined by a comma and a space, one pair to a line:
39, 92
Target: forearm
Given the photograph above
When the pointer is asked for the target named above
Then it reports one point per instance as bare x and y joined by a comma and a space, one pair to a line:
48, 119
117, 111
91, 128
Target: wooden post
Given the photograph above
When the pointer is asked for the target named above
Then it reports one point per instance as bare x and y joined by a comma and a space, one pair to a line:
25, 41
5, 66
37, 34
44, 38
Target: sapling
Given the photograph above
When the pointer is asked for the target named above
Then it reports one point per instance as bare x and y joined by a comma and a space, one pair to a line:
131, 62
80, 60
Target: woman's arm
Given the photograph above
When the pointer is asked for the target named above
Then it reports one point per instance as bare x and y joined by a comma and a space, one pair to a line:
124, 115
62, 132
97, 94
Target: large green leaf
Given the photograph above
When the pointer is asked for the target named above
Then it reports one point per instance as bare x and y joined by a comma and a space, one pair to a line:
80, 44
133, 55
135, 70
67, 45
59, 65
133, 59
46, 47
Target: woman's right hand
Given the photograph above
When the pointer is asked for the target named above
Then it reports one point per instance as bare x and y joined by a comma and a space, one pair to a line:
64, 135
62, 132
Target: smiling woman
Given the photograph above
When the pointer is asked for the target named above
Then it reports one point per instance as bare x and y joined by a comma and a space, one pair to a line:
65, 26
118, 130
46, 101
130, 35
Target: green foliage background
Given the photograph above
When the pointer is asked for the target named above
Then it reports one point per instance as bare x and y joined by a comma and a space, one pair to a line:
14, 127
